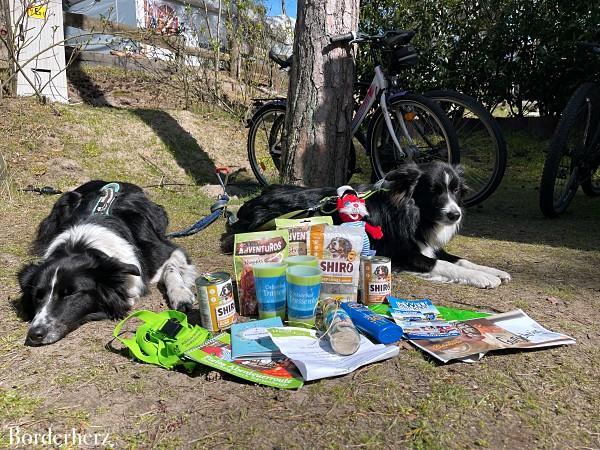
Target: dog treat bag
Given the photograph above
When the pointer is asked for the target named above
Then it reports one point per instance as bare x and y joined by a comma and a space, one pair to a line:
338, 250
298, 229
253, 248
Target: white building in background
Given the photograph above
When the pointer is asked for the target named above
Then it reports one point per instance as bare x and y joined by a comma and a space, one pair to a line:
169, 17
41, 55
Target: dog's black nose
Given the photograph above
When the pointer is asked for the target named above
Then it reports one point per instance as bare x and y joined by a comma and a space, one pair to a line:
36, 335
453, 216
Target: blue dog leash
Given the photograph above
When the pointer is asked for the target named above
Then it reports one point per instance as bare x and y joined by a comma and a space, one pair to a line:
219, 208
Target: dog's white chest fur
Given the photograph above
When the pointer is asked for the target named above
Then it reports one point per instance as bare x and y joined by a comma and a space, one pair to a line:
437, 238
109, 243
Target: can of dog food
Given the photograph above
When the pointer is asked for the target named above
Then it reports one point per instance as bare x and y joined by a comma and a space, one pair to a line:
377, 279
361, 276
215, 300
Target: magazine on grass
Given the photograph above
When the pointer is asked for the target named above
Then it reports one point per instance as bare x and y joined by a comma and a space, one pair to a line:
511, 330
420, 319
216, 353
250, 340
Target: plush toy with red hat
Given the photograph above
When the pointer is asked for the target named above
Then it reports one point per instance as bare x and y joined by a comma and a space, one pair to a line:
353, 212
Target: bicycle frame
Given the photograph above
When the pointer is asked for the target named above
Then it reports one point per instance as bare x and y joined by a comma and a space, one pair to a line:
379, 87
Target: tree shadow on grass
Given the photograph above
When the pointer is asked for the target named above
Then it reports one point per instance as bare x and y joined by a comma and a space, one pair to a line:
89, 91
189, 155
512, 214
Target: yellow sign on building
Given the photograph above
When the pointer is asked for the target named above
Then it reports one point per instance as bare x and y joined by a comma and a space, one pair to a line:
37, 11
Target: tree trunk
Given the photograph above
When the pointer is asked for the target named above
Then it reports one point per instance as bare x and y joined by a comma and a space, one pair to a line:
8, 40
320, 95
234, 56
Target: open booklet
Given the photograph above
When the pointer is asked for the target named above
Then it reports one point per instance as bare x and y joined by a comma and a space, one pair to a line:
511, 330
316, 359
216, 353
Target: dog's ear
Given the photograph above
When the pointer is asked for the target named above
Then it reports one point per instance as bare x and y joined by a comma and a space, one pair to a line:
401, 183
464, 187
27, 279
110, 271
55, 222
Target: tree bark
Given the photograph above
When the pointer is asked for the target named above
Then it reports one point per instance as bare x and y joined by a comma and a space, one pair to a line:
320, 95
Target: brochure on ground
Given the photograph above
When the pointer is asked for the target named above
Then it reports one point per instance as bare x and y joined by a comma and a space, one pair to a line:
216, 353
250, 340
420, 319
511, 330
316, 359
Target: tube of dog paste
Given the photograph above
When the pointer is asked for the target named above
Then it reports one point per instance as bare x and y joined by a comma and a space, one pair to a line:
337, 326
374, 325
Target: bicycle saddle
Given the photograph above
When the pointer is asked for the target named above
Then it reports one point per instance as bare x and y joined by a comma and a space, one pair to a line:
394, 38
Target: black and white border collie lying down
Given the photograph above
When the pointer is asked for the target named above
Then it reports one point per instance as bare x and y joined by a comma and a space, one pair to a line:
419, 214
99, 250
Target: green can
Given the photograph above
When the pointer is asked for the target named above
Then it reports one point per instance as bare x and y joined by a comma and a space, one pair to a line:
215, 300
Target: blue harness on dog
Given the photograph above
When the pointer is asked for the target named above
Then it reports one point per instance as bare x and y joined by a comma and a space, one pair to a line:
110, 192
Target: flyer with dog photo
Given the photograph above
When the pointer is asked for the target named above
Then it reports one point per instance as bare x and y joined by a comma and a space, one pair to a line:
420, 319
511, 330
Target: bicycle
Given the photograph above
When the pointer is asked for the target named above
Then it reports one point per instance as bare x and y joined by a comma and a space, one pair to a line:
574, 154
402, 127
482, 149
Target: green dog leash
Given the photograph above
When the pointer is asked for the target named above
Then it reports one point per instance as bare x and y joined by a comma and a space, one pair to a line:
163, 338
166, 339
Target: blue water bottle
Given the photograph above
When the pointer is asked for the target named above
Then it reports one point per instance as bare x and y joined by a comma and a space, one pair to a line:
372, 324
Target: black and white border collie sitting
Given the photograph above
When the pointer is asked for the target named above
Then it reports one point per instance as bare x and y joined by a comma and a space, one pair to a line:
419, 214
99, 250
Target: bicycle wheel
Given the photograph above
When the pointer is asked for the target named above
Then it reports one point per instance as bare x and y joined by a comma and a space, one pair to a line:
265, 141
482, 147
574, 132
591, 186
428, 127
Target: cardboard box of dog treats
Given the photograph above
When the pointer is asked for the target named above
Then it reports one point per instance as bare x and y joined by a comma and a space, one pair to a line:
253, 248
298, 231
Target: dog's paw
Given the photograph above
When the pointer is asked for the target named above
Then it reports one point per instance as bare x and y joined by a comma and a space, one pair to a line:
504, 276
484, 280
181, 298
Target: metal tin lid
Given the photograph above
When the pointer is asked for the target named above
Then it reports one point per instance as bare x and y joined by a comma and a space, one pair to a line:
210, 278
380, 259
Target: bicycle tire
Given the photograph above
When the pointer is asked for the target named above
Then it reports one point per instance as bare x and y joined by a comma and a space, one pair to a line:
591, 186
269, 132
483, 153
276, 108
561, 160
383, 154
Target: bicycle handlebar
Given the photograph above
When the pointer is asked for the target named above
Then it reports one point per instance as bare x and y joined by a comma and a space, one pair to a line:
282, 63
389, 38
343, 37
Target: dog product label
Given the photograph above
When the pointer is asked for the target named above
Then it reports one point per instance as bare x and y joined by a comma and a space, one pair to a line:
298, 231
376, 279
250, 249
338, 251
215, 299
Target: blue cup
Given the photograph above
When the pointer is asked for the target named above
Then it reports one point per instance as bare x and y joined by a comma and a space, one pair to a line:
270, 285
303, 290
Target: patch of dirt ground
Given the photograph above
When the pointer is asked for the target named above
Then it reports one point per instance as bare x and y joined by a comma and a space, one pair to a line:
535, 399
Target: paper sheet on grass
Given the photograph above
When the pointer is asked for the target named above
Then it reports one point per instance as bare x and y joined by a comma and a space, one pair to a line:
316, 359
511, 330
